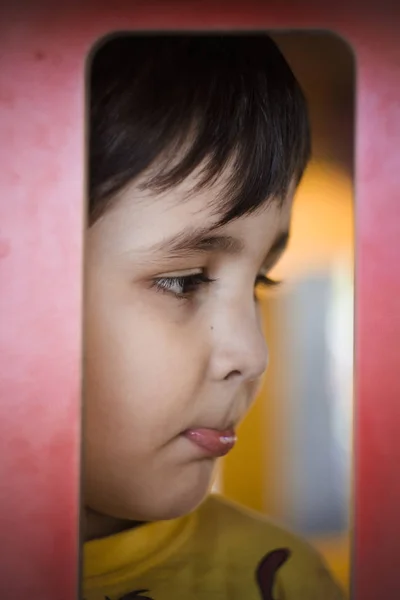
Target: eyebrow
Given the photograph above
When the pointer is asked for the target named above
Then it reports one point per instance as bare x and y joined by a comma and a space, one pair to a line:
278, 247
198, 241
204, 241
275, 252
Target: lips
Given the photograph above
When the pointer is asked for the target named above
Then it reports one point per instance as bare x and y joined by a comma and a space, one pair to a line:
212, 441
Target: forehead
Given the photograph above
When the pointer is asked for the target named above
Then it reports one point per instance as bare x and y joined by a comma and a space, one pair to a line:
140, 218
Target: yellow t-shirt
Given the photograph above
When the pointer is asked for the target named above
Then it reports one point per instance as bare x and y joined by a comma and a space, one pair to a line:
219, 552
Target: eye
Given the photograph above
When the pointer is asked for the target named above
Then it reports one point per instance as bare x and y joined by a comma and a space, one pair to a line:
262, 283
182, 286
265, 282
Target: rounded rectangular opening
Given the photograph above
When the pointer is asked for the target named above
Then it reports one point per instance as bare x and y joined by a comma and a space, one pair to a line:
183, 143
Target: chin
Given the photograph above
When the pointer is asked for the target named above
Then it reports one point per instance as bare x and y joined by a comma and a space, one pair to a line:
176, 499
182, 505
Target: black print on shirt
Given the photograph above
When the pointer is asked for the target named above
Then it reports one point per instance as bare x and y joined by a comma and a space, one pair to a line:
265, 576
267, 569
137, 594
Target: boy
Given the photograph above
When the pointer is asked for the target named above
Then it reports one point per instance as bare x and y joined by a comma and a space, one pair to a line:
197, 144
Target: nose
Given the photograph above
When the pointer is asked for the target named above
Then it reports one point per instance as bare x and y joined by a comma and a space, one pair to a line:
239, 346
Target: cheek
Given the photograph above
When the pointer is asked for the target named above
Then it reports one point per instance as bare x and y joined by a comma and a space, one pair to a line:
255, 388
142, 374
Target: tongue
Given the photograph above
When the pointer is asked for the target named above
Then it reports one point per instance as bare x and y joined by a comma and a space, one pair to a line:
215, 442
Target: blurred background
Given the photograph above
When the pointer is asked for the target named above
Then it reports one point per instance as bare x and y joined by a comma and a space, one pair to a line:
293, 461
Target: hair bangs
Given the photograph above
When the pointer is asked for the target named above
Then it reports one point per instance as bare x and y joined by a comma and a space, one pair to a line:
165, 107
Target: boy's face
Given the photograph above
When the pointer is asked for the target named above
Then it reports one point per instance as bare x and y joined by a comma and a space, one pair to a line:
159, 365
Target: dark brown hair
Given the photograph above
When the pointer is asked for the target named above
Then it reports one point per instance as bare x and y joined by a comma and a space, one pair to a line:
207, 101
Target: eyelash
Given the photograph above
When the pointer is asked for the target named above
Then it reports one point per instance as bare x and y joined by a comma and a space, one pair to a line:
196, 280
266, 282
193, 281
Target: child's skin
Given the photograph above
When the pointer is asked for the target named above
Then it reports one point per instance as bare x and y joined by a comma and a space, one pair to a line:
157, 364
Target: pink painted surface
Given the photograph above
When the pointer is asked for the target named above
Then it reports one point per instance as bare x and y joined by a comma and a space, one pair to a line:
41, 220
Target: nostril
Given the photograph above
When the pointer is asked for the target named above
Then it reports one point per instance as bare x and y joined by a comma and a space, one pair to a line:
233, 375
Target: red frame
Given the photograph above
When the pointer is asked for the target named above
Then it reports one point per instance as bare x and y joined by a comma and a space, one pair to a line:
43, 52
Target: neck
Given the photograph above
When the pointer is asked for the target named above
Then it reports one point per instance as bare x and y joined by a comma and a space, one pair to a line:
96, 525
